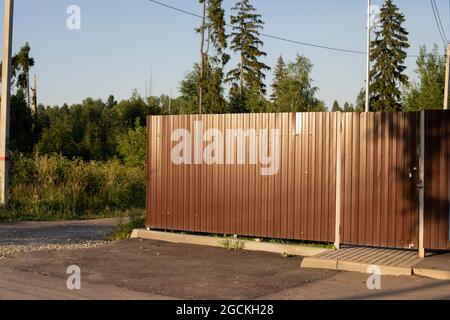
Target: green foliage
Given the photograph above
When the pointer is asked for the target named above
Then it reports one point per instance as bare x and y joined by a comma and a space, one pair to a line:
135, 220
388, 53
128, 110
132, 146
360, 105
428, 92
87, 130
54, 187
336, 106
189, 88
280, 74
232, 245
21, 63
246, 42
21, 121
210, 74
294, 89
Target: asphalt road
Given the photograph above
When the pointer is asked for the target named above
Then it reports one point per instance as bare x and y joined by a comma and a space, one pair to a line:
137, 269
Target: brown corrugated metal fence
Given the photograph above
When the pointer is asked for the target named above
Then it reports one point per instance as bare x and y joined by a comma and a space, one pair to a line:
379, 169
380, 174
296, 203
437, 180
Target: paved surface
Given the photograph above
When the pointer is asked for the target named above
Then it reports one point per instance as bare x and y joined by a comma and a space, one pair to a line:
437, 261
43, 236
145, 269
374, 256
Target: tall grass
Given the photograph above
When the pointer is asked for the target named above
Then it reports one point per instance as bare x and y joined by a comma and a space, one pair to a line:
54, 187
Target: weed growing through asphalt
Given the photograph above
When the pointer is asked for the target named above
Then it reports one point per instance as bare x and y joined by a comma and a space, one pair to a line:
232, 245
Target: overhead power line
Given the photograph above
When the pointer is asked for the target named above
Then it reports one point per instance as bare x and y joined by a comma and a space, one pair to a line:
265, 34
437, 18
325, 47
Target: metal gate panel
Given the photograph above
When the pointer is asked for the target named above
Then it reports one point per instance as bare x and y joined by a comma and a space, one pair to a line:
380, 171
437, 180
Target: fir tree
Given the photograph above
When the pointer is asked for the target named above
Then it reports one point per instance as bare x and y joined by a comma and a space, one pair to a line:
279, 77
388, 54
249, 74
336, 106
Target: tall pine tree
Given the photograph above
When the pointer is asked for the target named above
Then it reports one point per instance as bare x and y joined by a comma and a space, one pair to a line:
388, 54
248, 77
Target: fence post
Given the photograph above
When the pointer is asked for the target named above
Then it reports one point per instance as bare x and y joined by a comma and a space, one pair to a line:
337, 232
422, 187
148, 177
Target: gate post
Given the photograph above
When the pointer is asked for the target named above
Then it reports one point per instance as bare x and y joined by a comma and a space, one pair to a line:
337, 232
422, 187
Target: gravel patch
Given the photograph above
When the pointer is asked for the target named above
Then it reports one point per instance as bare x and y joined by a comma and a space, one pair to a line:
25, 237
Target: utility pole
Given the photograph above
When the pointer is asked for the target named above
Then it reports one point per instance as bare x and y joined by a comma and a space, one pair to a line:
447, 77
5, 99
202, 60
369, 28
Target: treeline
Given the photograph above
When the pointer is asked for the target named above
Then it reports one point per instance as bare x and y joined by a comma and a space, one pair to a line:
90, 157
106, 129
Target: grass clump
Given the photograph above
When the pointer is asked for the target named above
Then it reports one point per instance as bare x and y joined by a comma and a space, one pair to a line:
232, 245
136, 220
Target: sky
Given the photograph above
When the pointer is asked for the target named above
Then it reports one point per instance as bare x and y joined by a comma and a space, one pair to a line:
124, 44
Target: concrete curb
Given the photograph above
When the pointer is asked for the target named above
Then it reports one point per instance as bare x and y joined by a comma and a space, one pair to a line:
432, 273
319, 264
294, 250
364, 268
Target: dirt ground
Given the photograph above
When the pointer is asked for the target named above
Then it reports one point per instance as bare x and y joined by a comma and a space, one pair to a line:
144, 269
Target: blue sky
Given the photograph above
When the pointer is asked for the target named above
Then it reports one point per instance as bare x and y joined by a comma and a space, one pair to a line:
121, 43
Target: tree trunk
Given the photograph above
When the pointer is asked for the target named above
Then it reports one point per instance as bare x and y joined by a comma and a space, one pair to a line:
241, 75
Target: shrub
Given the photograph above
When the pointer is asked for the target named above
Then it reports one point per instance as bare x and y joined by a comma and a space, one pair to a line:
54, 187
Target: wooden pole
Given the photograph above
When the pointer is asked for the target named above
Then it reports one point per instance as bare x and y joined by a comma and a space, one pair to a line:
369, 28
447, 77
202, 61
5, 99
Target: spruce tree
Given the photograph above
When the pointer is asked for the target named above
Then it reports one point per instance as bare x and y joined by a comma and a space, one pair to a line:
279, 76
388, 54
249, 74
336, 106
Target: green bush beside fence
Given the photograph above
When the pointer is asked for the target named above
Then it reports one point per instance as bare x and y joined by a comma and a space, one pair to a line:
54, 187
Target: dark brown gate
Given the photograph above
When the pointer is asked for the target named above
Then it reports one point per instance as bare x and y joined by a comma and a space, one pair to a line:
437, 180
380, 174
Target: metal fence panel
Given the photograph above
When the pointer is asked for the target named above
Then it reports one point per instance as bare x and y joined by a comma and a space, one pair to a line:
297, 202
437, 180
380, 165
